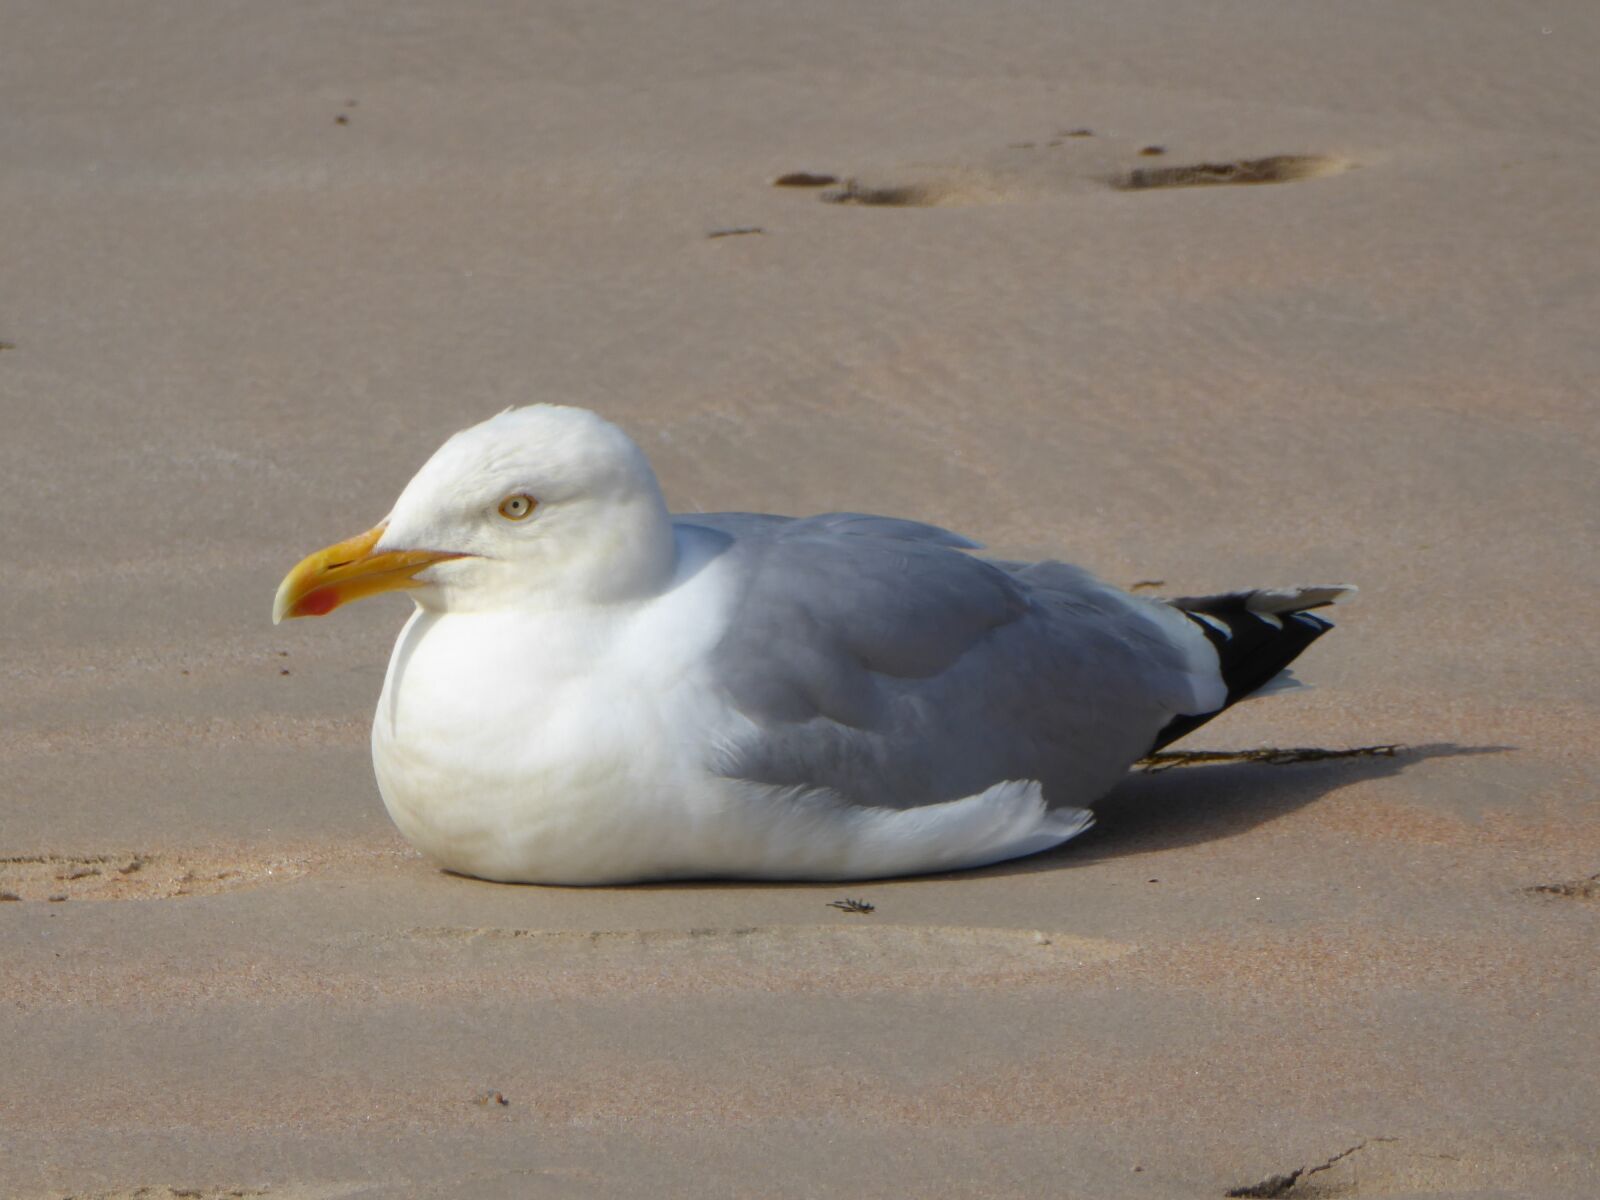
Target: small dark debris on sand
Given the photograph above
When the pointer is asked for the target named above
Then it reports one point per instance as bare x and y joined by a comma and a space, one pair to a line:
736, 231
1273, 756
1076, 133
1152, 151
804, 179
487, 1098
1141, 584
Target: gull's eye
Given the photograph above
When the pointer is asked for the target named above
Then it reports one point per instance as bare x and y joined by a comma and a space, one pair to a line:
517, 508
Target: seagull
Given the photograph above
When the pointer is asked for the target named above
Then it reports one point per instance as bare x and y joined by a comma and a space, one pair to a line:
593, 690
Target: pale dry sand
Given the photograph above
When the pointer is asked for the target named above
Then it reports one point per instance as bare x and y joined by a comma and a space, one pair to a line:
259, 259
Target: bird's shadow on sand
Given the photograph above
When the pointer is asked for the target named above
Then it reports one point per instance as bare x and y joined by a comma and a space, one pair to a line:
1188, 806
1171, 809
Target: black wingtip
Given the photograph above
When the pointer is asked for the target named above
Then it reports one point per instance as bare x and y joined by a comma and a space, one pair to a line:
1253, 648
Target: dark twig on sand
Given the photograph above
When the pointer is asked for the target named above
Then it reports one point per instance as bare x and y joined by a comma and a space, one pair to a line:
1165, 760
852, 906
1282, 1185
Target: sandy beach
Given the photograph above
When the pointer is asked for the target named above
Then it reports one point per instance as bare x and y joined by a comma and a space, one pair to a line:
1197, 297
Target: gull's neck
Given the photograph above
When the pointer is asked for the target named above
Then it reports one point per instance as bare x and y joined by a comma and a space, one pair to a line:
635, 557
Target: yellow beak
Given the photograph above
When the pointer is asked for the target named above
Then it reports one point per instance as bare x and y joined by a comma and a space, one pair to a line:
348, 571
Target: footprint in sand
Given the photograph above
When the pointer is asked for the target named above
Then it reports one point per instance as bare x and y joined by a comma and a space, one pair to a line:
56, 878
1070, 160
1275, 168
862, 952
1569, 889
969, 188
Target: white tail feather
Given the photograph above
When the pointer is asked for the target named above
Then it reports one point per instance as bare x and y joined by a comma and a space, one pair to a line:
1297, 599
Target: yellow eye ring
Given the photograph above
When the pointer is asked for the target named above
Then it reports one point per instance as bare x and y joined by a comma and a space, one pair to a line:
518, 507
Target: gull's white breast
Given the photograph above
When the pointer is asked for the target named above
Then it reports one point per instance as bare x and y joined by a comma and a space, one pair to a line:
558, 746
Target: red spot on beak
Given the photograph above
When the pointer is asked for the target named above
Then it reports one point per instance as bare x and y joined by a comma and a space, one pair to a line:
319, 603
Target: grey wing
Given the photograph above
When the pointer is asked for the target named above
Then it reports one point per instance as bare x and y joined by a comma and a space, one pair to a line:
876, 658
